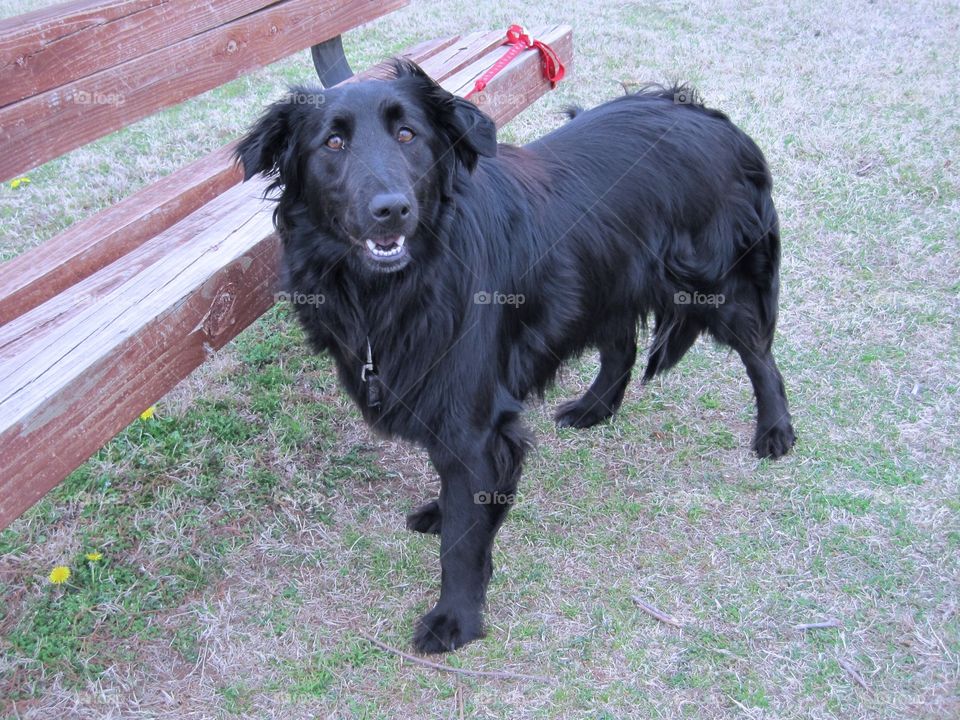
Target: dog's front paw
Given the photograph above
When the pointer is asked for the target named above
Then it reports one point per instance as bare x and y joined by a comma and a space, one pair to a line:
582, 413
425, 519
774, 441
444, 630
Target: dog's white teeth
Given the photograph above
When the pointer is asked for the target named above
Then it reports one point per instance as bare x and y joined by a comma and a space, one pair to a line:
383, 252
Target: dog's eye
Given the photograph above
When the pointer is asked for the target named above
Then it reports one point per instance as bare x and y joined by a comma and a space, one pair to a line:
335, 142
405, 135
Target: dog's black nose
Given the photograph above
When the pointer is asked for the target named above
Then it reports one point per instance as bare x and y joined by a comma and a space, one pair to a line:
389, 207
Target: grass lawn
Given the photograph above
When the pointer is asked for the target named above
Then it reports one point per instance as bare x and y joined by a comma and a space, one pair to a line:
252, 531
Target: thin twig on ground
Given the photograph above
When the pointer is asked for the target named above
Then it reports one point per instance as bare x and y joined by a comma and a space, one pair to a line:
853, 673
501, 674
657, 614
749, 713
831, 623
725, 653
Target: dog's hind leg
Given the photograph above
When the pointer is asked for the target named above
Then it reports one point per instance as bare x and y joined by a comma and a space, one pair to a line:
774, 435
739, 326
617, 356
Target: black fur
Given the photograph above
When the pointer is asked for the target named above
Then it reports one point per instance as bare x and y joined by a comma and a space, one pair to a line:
629, 210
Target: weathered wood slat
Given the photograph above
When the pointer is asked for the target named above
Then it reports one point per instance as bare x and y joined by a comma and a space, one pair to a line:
43, 272
421, 52
194, 247
134, 346
65, 395
44, 126
44, 323
464, 51
54, 46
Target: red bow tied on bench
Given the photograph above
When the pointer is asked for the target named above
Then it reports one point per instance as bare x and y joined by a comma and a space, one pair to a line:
519, 40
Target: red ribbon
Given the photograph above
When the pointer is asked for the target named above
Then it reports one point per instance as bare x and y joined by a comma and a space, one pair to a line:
519, 40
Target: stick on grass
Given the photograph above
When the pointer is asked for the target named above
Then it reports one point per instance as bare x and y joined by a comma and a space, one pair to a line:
853, 673
657, 614
501, 674
831, 623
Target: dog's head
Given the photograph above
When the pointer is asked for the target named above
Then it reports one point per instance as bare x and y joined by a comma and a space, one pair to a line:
369, 163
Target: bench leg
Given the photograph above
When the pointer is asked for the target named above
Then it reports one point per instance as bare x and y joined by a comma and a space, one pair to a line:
330, 62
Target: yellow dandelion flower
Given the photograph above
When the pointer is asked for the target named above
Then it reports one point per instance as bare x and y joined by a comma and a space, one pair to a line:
17, 182
94, 556
59, 575
148, 413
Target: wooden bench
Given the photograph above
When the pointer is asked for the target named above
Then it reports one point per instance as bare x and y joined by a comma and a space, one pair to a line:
101, 321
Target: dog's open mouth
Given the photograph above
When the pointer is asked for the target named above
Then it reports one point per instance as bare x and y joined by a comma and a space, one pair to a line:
386, 247
386, 254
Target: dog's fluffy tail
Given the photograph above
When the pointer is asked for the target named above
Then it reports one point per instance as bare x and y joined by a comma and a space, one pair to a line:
679, 92
682, 93
673, 335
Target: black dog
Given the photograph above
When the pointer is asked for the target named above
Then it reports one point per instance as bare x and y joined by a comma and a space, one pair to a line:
457, 275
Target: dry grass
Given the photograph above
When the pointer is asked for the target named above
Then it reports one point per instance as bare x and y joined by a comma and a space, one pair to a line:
256, 527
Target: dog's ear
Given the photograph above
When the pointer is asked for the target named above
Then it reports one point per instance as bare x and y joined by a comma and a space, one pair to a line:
264, 148
470, 131
473, 132
261, 148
